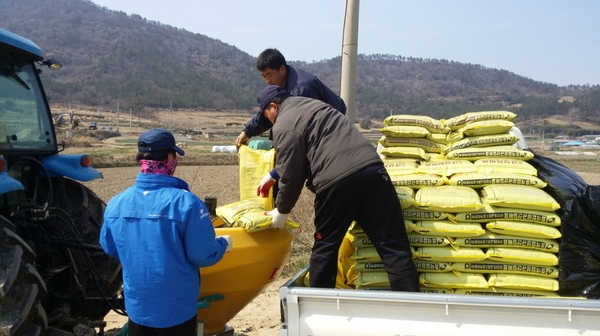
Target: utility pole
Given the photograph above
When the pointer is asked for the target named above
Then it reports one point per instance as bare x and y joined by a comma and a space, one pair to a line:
117, 115
170, 117
349, 55
198, 121
130, 114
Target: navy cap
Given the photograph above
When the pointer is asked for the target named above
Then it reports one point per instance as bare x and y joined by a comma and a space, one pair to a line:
158, 139
267, 94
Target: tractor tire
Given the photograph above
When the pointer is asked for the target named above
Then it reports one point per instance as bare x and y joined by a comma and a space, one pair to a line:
86, 210
21, 288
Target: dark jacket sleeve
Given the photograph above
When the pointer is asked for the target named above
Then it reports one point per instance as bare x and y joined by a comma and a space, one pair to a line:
301, 83
331, 98
257, 125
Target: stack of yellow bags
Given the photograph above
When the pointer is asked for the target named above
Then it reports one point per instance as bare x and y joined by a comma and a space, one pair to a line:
476, 214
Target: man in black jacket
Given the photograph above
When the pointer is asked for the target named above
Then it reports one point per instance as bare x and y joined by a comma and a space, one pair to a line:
318, 145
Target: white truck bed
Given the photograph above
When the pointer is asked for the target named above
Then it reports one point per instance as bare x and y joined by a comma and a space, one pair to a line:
315, 311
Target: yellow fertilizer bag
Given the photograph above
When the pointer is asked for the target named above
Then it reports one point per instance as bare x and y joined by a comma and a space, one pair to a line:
504, 166
358, 233
375, 278
522, 256
417, 239
254, 165
519, 281
345, 275
374, 288
446, 228
490, 213
448, 254
406, 196
469, 117
231, 212
432, 266
369, 254
414, 213
439, 138
399, 164
404, 131
446, 167
507, 292
520, 197
454, 136
436, 290
421, 266
524, 229
258, 221
306, 282
480, 180
417, 180
365, 266
481, 141
404, 152
488, 267
361, 241
427, 145
494, 152
448, 199
486, 127
490, 239
366, 254
451, 280
431, 124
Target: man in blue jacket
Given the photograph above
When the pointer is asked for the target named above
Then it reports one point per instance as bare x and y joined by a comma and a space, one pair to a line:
274, 69
161, 233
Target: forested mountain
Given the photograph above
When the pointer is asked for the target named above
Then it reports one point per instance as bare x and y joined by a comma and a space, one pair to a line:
109, 55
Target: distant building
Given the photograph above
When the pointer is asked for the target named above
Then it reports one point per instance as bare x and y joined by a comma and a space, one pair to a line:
589, 137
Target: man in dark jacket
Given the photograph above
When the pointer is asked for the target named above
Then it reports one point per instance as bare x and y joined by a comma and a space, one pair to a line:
318, 145
274, 69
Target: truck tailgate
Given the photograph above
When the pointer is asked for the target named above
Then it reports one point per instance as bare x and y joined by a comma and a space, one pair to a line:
314, 311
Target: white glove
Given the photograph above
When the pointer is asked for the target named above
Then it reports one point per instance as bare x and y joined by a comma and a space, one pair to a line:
279, 219
265, 186
229, 242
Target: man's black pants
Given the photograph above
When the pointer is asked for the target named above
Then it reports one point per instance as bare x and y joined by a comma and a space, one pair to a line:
369, 198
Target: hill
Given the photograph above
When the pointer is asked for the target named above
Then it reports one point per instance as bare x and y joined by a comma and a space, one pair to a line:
112, 57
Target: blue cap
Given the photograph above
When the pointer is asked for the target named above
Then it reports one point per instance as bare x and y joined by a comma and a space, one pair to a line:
158, 139
267, 94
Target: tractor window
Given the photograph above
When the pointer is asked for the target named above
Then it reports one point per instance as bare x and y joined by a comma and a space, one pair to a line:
24, 120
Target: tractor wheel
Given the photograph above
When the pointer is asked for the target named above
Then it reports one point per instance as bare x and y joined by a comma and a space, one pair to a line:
21, 287
98, 274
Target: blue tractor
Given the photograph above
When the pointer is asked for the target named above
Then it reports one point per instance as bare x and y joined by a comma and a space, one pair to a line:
53, 273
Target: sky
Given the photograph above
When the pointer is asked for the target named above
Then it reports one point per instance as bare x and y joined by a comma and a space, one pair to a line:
552, 41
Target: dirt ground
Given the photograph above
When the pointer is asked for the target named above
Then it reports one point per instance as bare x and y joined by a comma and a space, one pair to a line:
261, 316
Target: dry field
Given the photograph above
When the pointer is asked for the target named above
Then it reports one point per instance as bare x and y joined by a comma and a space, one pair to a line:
261, 316
217, 175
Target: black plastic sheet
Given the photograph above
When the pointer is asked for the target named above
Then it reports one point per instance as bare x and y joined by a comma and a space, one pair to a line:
579, 252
